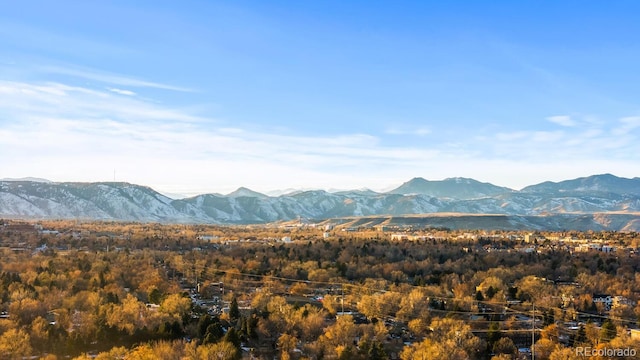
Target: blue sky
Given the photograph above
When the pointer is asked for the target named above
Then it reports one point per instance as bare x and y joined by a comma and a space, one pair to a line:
204, 96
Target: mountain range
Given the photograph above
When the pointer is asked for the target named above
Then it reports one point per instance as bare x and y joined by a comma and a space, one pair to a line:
590, 196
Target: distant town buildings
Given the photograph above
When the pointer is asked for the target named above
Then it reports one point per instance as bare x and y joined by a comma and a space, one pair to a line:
208, 238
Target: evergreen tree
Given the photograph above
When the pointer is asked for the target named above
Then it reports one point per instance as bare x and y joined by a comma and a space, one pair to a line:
213, 334
203, 323
233, 337
376, 352
491, 292
608, 331
549, 317
234, 310
580, 336
493, 334
347, 353
155, 296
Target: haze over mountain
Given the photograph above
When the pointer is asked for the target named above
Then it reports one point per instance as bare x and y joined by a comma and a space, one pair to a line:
592, 197
27, 179
455, 188
197, 97
592, 184
243, 191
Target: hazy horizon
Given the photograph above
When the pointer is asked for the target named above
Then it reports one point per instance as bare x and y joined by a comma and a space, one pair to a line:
280, 191
206, 96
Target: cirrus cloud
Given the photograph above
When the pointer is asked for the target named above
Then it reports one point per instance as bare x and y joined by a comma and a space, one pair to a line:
78, 133
562, 120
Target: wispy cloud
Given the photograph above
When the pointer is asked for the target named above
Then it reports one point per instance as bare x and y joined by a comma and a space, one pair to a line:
25, 100
108, 78
76, 130
547, 136
406, 130
626, 125
122, 91
562, 120
509, 136
65, 132
592, 140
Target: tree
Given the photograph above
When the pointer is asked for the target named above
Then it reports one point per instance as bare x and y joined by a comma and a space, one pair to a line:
234, 310
345, 352
580, 336
428, 349
222, 350
213, 333
607, 331
549, 317
311, 322
330, 303
492, 285
369, 306
454, 335
533, 288
204, 322
376, 352
565, 354
544, 348
299, 288
414, 306
168, 350
418, 327
491, 292
155, 296
502, 357
551, 332
15, 344
373, 350
591, 333
39, 333
128, 316
248, 327
286, 343
142, 352
176, 307
340, 334
493, 334
118, 352
450, 339
505, 346
26, 310
232, 337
